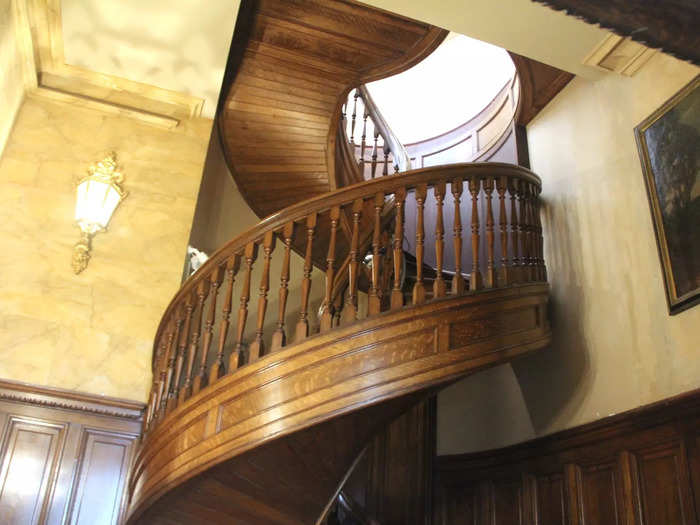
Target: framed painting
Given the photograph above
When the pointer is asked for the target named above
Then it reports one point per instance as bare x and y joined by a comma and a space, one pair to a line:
669, 148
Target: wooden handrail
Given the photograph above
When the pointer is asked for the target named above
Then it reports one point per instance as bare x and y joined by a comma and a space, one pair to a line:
208, 331
395, 146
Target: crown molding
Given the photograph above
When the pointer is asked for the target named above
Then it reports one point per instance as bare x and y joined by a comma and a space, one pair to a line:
51, 397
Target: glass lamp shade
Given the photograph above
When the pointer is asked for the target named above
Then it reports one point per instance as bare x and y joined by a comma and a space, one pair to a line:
96, 200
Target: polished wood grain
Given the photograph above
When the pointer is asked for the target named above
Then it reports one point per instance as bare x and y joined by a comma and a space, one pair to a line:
539, 84
331, 375
64, 456
634, 468
296, 60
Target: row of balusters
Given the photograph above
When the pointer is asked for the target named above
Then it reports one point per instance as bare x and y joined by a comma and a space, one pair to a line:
190, 353
367, 126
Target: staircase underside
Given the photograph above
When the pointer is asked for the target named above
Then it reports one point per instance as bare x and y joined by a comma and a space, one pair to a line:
294, 61
272, 442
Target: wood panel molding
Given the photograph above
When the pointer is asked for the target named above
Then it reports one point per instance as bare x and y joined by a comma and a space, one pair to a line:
64, 455
330, 376
638, 467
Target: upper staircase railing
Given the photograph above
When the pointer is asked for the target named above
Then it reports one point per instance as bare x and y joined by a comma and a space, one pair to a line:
367, 123
203, 335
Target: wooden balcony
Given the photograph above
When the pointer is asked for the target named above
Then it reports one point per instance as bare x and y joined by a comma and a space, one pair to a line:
257, 412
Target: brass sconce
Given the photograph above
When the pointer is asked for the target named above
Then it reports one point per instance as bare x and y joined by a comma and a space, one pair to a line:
97, 196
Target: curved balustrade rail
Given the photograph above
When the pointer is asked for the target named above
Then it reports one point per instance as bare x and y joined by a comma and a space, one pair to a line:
387, 154
211, 329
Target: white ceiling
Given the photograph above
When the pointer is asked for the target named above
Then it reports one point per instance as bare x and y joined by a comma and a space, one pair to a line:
181, 45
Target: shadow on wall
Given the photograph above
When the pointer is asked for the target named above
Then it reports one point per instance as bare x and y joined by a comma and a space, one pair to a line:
553, 380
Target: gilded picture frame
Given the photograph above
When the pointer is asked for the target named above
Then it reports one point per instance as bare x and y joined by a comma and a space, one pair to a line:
669, 148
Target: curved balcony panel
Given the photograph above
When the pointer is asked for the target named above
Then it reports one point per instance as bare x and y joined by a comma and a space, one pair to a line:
318, 385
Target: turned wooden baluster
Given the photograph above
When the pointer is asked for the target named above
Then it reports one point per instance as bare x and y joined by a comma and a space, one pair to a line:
215, 282
182, 353
237, 357
374, 299
439, 288
458, 279
526, 236
349, 313
475, 280
257, 347
172, 357
363, 141
385, 170
218, 369
516, 274
542, 272
302, 330
279, 337
202, 290
419, 287
374, 153
354, 116
535, 244
396, 293
385, 277
158, 376
503, 271
490, 239
327, 316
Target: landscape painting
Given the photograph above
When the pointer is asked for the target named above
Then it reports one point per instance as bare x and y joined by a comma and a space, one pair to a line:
669, 147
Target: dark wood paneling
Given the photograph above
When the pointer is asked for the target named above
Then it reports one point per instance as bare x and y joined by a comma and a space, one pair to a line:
671, 25
637, 468
539, 84
64, 456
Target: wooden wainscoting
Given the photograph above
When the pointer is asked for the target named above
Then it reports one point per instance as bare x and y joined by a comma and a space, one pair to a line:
64, 456
636, 468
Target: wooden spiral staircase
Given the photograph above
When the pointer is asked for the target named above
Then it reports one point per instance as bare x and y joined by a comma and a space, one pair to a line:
259, 408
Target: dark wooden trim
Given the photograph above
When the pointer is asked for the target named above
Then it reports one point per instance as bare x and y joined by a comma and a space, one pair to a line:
671, 25
70, 400
539, 84
640, 466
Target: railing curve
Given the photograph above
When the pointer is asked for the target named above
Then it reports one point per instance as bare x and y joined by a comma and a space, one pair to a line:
203, 335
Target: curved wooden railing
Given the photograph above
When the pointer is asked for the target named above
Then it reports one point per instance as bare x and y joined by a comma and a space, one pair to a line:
205, 332
385, 154
377, 151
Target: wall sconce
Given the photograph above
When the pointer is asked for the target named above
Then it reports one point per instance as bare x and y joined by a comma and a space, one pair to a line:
97, 196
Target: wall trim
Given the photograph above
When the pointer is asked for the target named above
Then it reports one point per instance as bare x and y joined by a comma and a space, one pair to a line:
673, 408
47, 396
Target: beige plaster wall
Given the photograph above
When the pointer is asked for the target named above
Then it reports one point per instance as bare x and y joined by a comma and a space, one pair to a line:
615, 345
220, 216
92, 332
12, 81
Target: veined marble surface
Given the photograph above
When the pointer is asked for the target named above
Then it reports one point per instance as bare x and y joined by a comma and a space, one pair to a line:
91, 332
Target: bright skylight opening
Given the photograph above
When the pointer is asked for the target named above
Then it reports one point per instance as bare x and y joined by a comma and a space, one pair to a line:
445, 90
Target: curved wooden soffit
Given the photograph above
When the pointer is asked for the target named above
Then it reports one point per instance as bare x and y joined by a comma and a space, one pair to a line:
324, 380
292, 64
